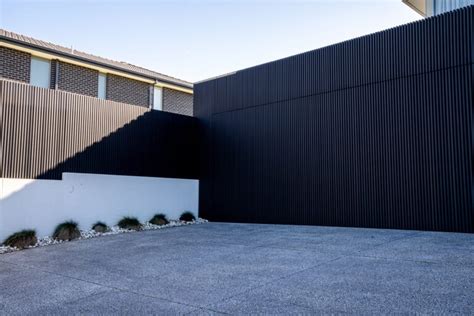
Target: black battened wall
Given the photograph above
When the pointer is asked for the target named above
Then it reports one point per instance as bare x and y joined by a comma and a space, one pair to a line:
44, 133
372, 132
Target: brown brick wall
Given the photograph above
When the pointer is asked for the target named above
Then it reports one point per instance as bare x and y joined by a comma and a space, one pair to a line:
177, 102
126, 90
78, 79
14, 64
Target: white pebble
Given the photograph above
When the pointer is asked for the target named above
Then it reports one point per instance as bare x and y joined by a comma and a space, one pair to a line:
114, 230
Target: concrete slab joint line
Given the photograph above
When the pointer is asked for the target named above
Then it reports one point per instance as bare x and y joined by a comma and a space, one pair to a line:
221, 268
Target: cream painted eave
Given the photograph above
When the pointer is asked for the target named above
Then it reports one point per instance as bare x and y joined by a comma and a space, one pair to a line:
419, 6
105, 70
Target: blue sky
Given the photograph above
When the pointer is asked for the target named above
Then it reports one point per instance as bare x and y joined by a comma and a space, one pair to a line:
198, 39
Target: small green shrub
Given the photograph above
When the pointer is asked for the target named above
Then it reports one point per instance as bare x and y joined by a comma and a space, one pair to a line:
22, 239
100, 227
130, 223
159, 219
187, 217
67, 231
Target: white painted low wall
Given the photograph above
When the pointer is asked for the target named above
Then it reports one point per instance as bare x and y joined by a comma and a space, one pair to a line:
87, 198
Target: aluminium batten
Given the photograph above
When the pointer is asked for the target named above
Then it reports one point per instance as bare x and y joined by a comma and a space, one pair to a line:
47, 132
372, 132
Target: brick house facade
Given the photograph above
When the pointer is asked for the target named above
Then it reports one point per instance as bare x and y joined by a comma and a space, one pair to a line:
126, 90
177, 102
124, 82
77, 79
14, 65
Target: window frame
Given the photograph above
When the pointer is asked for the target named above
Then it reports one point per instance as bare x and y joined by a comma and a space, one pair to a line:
102, 77
38, 65
155, 89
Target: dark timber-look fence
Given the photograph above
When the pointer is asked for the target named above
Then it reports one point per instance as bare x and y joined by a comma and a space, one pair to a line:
372, 132
47, 132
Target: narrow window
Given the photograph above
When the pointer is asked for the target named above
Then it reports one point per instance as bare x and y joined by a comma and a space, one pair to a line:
157, 98
102, 86
40, 72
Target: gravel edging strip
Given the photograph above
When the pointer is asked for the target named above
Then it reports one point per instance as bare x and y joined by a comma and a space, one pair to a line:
114, 230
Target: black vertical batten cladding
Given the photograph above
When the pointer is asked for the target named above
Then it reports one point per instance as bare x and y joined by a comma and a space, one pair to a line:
372, 132
44, 133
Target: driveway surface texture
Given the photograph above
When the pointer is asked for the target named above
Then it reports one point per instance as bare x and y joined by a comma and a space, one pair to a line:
240, 269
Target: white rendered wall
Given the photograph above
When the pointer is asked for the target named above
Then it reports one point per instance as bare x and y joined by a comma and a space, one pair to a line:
88, 198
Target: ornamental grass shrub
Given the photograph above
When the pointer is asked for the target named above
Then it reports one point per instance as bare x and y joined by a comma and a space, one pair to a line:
187, 217
100, 227
67, 231
130, 223
159, 219
22, 239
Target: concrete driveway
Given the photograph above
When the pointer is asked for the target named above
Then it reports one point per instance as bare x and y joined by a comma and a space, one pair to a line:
241, 269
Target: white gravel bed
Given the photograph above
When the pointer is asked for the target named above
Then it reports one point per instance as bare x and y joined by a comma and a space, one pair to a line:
114, 230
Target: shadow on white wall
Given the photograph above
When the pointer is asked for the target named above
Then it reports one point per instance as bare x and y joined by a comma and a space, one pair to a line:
88, 198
